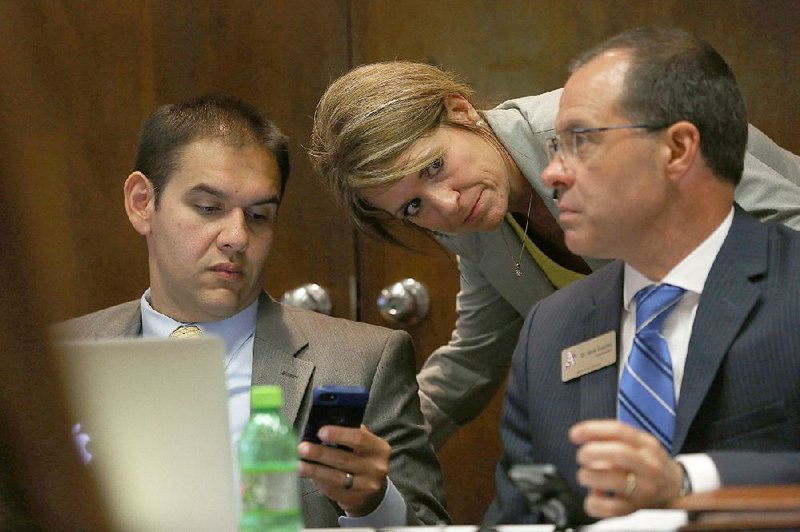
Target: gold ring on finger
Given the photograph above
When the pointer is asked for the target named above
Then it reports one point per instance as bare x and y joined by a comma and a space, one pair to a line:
630, 484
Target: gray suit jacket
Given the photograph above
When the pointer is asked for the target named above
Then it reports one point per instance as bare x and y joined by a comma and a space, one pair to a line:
740, 396
298, 350
460, 378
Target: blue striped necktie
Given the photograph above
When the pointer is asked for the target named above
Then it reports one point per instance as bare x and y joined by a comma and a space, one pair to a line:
646, 391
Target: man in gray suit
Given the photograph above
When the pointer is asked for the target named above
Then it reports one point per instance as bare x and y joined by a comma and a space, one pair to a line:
209, 177
690, 338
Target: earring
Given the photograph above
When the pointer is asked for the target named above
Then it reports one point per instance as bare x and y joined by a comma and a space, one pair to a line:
480, 123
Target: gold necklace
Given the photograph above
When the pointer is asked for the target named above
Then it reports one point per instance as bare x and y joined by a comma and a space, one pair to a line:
518, 260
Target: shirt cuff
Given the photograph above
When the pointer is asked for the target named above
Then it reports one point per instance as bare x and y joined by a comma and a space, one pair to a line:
701, 470
390, 512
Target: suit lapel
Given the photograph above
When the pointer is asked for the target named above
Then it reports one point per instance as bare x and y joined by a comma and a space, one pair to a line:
134, 326
599, 388
277, 342
126, 322
728, 298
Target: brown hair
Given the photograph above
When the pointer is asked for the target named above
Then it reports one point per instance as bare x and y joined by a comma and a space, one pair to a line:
172, 127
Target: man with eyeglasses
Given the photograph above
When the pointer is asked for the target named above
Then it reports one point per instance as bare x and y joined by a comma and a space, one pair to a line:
675, 368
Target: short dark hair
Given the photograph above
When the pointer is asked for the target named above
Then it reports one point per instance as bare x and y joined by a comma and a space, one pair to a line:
216, 116
674, 76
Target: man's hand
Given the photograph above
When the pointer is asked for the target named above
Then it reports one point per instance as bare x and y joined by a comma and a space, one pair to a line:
624, 469
367, 465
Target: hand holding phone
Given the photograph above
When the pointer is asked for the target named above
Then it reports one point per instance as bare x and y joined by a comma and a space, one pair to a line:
354, 478
343, 406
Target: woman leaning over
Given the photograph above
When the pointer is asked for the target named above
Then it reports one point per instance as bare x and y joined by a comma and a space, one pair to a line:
404, 140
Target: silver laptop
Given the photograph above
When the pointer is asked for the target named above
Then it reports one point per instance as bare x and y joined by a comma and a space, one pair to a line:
152, 422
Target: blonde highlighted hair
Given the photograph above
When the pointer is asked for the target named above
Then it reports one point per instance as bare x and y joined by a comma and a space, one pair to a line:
367, 119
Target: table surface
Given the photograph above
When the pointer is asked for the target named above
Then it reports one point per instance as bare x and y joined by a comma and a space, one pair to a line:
644, 520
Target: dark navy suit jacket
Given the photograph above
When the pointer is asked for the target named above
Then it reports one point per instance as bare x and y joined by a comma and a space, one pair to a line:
740, 395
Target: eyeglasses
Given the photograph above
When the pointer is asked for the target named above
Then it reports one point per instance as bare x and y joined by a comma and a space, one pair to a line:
568, 143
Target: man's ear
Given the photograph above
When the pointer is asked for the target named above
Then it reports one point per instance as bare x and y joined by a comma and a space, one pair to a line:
683, 145
460, 110
140, 201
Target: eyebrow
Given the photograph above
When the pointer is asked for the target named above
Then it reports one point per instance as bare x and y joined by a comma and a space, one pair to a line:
390, 211
569, 126
208, 189
400, 211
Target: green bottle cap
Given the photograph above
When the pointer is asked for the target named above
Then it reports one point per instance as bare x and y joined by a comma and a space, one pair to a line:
266, 397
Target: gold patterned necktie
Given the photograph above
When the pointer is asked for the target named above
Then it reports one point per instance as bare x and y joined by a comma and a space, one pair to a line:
186, 331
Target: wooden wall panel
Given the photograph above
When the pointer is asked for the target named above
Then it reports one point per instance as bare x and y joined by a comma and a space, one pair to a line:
760, 40
86, 75
72, 107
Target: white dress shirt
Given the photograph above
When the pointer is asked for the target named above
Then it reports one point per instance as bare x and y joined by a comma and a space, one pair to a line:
690, 274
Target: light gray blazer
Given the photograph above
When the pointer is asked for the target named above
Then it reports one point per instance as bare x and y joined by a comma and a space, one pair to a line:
298, 350
459, 379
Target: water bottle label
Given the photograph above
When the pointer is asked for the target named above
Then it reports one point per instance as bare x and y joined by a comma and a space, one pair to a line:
270, 492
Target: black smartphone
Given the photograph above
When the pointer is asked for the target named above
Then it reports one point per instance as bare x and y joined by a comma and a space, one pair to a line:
335, 405
548, 492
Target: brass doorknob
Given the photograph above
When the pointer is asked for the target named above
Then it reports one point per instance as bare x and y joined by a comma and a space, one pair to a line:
405, 302
310, 296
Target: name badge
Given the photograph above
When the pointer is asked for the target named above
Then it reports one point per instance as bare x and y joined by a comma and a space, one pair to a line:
588, 356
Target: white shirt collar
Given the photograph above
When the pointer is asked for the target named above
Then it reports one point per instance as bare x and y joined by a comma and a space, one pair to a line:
690, 273
233, 330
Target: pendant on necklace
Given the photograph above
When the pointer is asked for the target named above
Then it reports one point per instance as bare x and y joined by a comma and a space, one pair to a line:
518, 269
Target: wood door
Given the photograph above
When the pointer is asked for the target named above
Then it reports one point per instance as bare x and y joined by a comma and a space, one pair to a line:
485, 44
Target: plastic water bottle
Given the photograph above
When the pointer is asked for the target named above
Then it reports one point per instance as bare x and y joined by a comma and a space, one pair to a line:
268, 464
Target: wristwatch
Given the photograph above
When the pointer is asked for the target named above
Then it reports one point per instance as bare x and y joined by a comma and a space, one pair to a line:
686, 482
